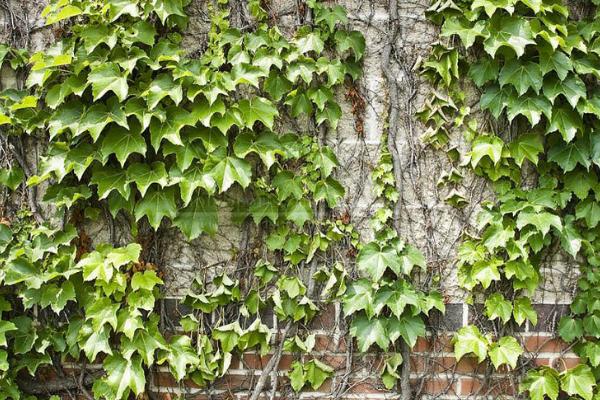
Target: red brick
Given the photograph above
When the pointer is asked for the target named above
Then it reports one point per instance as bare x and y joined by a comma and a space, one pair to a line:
328, 343
469, 386
544, 344
258, 362
437, 386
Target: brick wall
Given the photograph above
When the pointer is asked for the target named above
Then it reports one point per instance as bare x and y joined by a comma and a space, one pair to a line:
435, 371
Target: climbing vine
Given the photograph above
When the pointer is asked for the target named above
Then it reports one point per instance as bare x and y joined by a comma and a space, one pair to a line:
133, 128
534, 67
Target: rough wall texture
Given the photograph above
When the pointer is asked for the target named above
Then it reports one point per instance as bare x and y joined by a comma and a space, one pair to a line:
427, 221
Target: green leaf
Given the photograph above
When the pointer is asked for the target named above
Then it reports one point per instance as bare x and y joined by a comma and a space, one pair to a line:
108, 77
124, 375
540, 383
350, 40
229, 170
12, 177
579, 381
184, 155
145, 175
258, 109
505, 352
266, 145
485, 145
510, 31
96, 341
496, 306
463, 28
543, 221
228, 335
324, 160
299, 211
490, 6
5, 326
157, 204
200, 216
521, 75
483, 71
589, 210
277, 85
591, 325
374, 260
570, 329
317, 372
108, 179
468, 340
68, 11
163, 86
264, 207
297, 376
331, 15
145, 280
99, 115
330, 190
165, 8
310, 42
522, 310
569, 155
566, 121
495, 99
122, 143
556, 61
170, 128
571, 88
359, 297
102, 311
95, 35
180, 354
531, 107
410, 327
368, 332
527, 146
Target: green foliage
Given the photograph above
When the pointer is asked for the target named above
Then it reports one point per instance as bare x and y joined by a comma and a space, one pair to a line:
139, 128
537, 76
385, 304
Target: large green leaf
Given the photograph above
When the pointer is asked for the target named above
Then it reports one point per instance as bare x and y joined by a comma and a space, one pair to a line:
566, 121
108, 179
522, 75
108, 77
258, 109
531, 107
508, 31
157, 204
505, 352
163, 86
125, 375
374, 260
229, 170
540, 383
469, 339
369, 331
463, 28
572, 88
145, 175
122, 143
200, 216
527, 146
569, 155
579, 381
